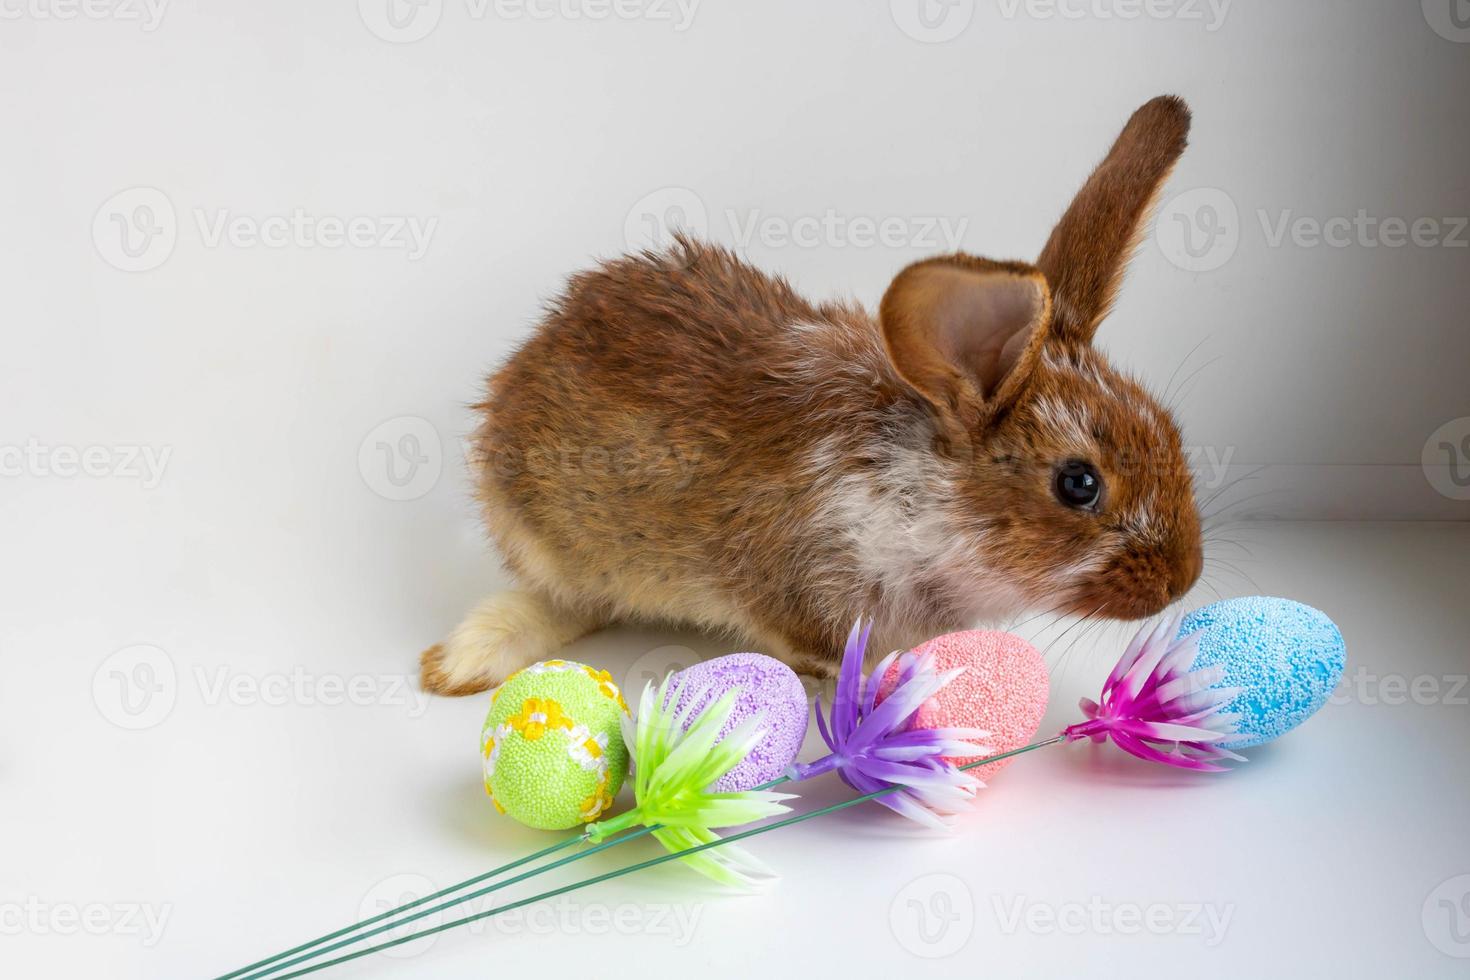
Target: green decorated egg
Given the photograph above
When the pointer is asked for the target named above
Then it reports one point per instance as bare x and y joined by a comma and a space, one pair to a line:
552, 744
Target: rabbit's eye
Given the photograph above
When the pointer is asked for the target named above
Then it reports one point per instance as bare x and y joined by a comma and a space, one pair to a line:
1078, 484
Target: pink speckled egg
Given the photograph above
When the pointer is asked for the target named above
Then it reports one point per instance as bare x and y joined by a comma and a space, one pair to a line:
1003, 690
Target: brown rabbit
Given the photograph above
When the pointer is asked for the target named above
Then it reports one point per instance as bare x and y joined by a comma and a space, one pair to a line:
685, 439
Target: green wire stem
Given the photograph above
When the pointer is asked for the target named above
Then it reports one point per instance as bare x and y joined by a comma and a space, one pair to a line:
544, 852
553, 893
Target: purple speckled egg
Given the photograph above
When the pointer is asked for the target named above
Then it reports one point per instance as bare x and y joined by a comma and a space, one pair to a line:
766, 684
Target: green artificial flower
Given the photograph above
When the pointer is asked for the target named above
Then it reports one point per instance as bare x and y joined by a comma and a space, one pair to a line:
676, 761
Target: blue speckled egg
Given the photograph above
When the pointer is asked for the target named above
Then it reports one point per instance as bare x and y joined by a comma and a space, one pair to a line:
1287, 656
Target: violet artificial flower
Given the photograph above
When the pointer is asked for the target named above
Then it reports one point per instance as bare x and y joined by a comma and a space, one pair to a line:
873, 746
1156, 706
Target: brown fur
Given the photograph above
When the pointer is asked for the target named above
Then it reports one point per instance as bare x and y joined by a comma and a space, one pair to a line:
435, 678
685, 439
1085, 256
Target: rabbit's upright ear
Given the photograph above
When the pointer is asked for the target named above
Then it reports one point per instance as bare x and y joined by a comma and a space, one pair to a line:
966, 332
1085, 257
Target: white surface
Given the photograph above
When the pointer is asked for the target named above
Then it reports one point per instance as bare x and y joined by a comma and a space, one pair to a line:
193, 454
252, 826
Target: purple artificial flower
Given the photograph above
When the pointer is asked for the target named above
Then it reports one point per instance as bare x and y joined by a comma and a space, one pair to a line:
873, 746
1153, 701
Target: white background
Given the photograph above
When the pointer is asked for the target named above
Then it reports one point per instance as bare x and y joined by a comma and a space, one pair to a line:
246, 456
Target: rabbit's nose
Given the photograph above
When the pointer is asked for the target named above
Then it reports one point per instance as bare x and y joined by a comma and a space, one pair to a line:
1186, 571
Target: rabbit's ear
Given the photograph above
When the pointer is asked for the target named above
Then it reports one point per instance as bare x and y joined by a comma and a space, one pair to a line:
1089, 248
966, 332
